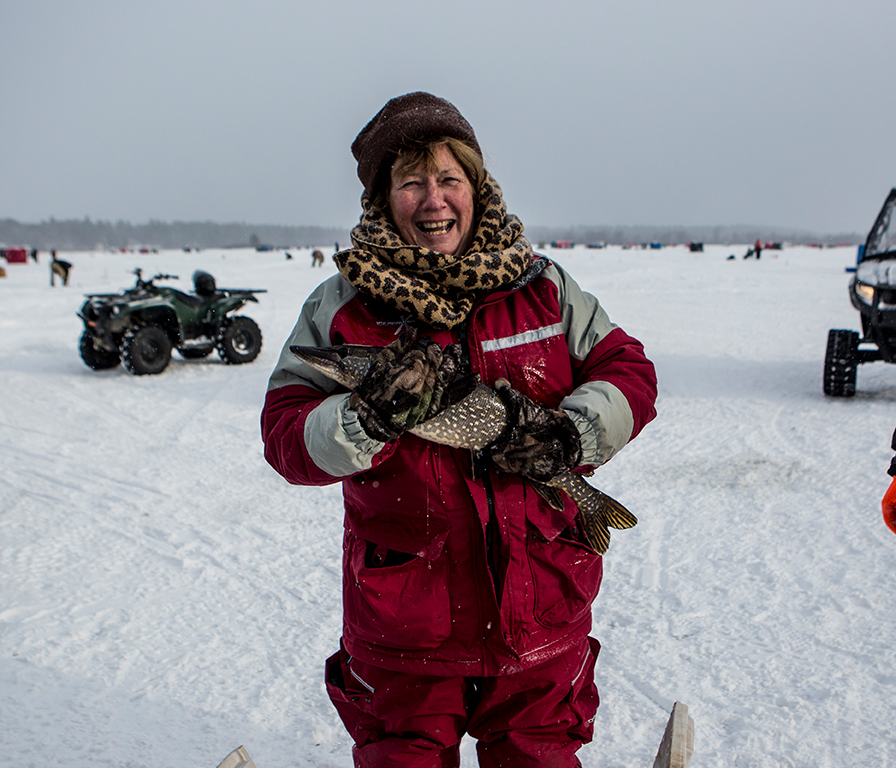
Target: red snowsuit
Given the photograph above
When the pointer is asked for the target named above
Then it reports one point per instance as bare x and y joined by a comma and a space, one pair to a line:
445, 575
888, 503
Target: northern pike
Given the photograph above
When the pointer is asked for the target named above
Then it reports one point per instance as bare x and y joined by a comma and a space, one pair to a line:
474, 422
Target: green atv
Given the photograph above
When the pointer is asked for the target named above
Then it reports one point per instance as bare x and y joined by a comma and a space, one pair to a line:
141, 325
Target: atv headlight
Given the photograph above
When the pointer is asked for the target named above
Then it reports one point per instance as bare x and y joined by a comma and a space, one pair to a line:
865, 292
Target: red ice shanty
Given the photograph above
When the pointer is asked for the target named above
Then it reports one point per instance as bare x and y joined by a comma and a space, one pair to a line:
16, 255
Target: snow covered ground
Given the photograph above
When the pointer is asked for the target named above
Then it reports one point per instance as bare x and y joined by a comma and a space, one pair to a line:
166, 597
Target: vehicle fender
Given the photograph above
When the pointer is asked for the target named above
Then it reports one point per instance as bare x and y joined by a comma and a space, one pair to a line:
159, 313
230, 304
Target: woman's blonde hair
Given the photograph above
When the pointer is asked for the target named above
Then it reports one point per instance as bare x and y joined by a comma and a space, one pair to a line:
424, 152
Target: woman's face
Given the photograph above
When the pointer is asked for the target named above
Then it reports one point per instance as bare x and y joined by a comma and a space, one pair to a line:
434, 209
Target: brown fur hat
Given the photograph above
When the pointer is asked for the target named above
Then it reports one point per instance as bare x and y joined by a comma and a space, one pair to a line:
404, 119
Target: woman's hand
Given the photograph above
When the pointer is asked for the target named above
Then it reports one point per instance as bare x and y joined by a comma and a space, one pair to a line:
539, 443
407, 384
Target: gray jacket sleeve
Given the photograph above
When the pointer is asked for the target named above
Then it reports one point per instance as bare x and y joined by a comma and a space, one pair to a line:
599, 409
333, 436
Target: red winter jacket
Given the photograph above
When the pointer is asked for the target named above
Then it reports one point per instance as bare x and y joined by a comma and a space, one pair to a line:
442, 573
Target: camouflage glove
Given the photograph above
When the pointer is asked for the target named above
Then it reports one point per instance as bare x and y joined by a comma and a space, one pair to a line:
539, 443
453, 382
407, 384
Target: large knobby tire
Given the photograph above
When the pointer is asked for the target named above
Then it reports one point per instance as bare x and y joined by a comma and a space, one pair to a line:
146, 350
96, 357
239, 340
840, 363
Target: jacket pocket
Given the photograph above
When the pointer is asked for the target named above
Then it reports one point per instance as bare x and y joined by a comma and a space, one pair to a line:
566, 576
351, 697
394, 600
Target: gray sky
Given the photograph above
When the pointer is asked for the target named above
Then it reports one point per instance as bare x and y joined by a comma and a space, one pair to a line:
657, 112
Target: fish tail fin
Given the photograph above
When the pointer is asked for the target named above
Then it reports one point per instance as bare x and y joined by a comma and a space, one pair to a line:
616, 515
596, 532
598, 511
591, 501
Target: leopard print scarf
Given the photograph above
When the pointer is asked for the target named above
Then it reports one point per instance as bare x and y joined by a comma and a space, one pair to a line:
436, 288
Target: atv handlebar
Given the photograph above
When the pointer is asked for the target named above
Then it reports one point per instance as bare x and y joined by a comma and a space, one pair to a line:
141, 283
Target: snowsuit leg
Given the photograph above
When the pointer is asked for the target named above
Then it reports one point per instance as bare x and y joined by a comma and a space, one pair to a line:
396, 719
538, 717
61, 269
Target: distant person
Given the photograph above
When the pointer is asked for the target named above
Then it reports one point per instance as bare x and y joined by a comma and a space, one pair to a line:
59, 268
34, 255
317, 259
758, 249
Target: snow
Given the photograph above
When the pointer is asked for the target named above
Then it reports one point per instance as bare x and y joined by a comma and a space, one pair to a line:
166, 596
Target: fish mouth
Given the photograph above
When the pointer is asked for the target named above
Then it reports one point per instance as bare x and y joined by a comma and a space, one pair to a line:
432, 228
316, 354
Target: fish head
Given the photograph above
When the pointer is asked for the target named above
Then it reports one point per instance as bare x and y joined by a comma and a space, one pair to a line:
346, 364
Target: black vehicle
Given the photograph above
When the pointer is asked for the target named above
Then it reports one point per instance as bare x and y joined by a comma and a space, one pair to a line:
872, 291
141, 325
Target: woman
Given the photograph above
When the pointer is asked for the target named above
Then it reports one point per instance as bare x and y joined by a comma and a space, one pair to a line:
466, 597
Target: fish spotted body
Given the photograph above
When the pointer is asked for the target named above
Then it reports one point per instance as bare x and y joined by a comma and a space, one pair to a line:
475, 422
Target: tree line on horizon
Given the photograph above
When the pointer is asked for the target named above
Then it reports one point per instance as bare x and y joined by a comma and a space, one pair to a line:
85, 234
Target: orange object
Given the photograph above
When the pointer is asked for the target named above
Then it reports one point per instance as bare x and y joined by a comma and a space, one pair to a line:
888, 505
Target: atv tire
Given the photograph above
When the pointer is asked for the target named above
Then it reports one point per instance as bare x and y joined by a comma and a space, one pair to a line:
239, 340
146, 350
840, 363
97, 358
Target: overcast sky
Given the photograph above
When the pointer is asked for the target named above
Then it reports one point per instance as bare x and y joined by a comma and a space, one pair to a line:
647, 112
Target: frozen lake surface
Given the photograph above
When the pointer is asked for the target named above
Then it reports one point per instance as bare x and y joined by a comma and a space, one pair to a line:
166, 596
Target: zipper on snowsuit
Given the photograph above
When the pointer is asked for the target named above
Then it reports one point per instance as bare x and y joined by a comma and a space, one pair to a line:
480, 469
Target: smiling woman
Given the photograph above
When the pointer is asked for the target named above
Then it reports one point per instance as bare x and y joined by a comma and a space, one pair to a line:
468, 585
432, 203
